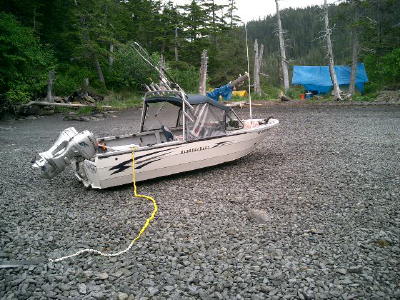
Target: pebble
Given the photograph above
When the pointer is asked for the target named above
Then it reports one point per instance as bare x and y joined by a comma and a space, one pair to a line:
82, 288
102, 276
153, 291
122, 296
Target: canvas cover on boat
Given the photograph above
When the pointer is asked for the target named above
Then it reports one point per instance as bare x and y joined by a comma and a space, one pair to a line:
318, 79
192, 99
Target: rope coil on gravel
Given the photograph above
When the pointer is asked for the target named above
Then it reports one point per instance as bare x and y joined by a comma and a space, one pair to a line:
142, 230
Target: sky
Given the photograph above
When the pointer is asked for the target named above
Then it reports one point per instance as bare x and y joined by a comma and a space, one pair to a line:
257, 9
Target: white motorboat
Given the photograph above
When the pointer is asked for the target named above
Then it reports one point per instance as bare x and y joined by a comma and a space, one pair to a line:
178, 133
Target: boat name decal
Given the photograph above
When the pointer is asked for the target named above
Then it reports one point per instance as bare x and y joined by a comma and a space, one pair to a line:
195, 149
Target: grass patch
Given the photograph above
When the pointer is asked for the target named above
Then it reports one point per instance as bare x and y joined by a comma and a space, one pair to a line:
86, 110
365, 98
123, 100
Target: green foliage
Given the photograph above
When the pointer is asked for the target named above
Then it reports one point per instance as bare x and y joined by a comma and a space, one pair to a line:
383, 71
270, 91
185, 75
123, 100
83, 34
368, 97
294, 92
69, 78
130, 71
24, 62
88, 110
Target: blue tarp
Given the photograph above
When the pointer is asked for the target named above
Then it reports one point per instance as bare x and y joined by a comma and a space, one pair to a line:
317, 78
225, 91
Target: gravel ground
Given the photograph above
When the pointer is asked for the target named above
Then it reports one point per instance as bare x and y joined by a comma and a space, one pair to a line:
313, 213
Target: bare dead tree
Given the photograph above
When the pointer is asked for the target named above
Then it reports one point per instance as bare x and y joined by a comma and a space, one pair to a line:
176, 44
203, 73
256, 73
355, 50
52, 75
85, 87
258, 53
260, 58
98, 68
284, 63
336, 90
111, 56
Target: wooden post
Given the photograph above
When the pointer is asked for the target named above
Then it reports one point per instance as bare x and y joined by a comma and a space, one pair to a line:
203, 73
284, 63
50, 86
336, 90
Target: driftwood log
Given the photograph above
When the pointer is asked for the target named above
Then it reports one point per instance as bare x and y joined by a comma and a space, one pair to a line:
44, 103
239, 80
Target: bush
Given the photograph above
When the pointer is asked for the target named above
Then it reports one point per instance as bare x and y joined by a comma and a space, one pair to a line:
294, 92
24, 62
129, 70
185, 75
383, 70
69, 78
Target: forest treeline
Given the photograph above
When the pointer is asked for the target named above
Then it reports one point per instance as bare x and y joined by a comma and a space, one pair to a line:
92, 39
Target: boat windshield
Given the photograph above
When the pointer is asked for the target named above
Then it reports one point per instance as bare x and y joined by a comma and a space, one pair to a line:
208, 121
161, 113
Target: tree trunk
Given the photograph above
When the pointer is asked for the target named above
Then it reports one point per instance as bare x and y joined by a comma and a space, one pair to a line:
352, 87
111, 56
336, 90
50, 86
260, 58
260, 61
203, 73
284, 63
176, 44
34, 19
355, 46
99, 71
256, 72
85, 87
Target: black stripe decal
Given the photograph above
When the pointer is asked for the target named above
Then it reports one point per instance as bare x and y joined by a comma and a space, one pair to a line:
150, 158
121, 167
147, 163
138, 157
127, 163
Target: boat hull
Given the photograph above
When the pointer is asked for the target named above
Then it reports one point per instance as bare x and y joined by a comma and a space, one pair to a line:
115, 169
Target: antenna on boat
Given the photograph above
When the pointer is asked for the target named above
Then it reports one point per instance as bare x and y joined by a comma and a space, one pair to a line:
248, 70
165, 77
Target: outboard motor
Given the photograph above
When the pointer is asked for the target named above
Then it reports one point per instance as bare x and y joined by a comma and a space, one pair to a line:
70, 145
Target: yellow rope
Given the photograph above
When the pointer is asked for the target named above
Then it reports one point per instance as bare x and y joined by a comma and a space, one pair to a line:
135, 194
146, 224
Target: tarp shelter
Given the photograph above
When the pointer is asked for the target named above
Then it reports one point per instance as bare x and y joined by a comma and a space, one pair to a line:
317, 78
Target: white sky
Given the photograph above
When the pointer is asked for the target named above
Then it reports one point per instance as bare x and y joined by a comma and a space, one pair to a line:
257, 9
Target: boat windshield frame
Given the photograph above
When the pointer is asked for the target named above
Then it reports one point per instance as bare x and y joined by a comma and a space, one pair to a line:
186, 110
